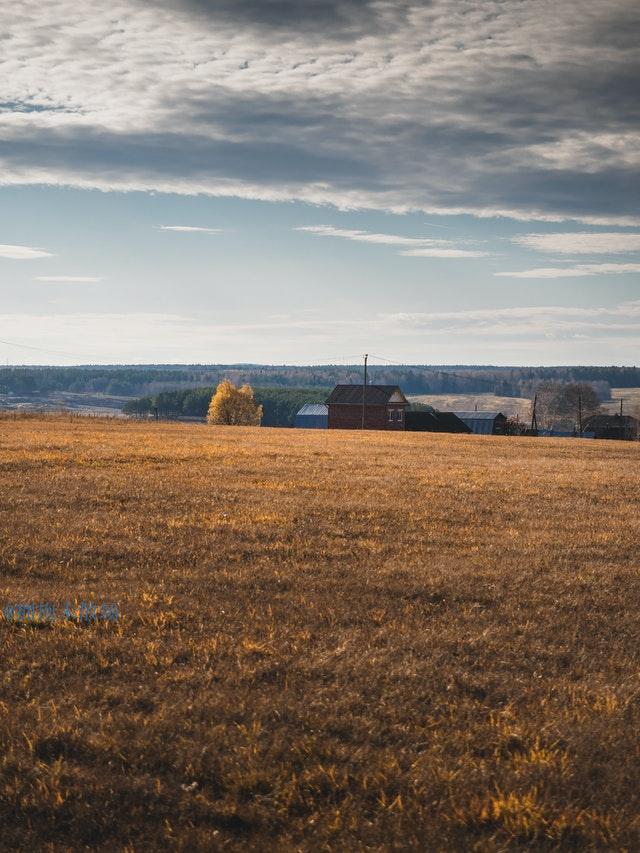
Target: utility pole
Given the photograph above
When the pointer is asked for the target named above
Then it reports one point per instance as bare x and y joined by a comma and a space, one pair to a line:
364, 386
580, 415
534, 416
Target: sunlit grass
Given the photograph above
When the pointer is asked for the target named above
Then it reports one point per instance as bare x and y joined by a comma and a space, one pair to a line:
328, 640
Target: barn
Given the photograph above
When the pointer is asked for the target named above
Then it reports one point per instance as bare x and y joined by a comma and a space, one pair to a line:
381, 407
620, 427
484, 423
312, 416
435, 422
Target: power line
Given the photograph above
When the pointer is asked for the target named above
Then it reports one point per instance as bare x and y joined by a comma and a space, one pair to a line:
38, 349
468, 377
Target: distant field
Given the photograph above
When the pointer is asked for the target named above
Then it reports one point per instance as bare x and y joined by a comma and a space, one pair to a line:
80, 403
630, 401
330, 640
509, 406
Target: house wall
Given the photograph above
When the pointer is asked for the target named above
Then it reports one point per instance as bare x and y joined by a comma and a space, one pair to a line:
499, 425
375, 417
619, 433
310, 421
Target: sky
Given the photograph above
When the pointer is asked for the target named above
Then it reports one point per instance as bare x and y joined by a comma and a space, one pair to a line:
277, 181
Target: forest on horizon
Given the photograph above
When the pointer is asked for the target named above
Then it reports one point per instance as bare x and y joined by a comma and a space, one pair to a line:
141, 380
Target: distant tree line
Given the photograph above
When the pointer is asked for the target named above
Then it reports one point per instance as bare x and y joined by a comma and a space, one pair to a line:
144, 380
279, 405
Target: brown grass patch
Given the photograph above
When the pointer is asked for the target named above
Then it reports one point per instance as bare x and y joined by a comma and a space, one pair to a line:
329, 641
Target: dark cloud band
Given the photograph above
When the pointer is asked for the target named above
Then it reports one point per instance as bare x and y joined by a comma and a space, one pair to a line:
527, 108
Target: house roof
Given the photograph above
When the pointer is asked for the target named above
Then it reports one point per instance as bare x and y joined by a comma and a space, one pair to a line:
375, 395
481, 423
600, 421
313, 409
478, 416
451, 422
435, 422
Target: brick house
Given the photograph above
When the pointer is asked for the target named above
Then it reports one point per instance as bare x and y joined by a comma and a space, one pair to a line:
384, 407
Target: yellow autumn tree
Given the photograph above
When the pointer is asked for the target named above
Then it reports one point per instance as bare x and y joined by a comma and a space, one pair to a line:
234, 406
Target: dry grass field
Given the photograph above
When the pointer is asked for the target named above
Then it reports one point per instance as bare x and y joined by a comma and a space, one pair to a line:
329, 641
630, 399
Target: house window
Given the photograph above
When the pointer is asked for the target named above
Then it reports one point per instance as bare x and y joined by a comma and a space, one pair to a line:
399, 414
390, 415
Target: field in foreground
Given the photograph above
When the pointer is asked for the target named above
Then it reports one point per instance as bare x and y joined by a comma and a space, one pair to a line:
329, 641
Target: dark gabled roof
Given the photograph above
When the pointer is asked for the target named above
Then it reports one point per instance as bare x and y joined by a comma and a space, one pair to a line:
351, 395
434, 422
482, 423
451, 422
478, 416
608, 421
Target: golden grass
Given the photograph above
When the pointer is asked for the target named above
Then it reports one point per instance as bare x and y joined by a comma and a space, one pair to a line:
330, 641
630, 400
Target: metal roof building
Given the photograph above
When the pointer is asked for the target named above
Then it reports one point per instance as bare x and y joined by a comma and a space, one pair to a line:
312, 416
435, 422
483, 423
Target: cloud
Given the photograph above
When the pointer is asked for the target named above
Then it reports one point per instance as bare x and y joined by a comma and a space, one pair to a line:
71, 279
334, 19
526, 324
573, 272
365, 236
486, 108
189, 228
419, 247
580, 243
445, 253
511, 334
543, 313
22, 253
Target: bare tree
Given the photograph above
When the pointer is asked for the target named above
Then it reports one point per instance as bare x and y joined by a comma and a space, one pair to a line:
564, 406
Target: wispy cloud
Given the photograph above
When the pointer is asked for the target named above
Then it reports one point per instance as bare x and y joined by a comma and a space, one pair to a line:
445, 253
70, 279
527, 325
22, 253
580, 243
543, 313
465, 335
190, 228
365, 236
573, 272
423, 247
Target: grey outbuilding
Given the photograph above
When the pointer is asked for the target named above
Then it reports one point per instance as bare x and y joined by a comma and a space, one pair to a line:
312, 416
484, 423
